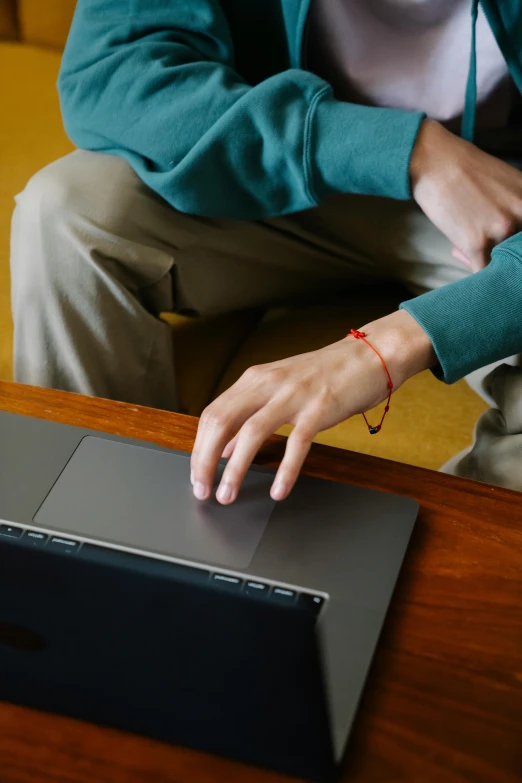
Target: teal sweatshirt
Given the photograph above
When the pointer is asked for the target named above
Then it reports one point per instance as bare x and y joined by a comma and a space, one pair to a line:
208, 101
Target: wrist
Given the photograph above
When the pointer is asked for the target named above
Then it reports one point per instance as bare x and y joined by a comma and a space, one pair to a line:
403, 344
434, 145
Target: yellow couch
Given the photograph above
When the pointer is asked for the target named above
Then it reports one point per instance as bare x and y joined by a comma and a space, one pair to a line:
428, 421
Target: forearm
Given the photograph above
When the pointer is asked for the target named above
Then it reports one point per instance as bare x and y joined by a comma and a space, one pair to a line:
458, 328
403, 344
476, 201
477, 320
158, 85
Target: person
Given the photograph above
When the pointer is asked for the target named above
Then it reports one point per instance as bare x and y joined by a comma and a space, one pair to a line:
236, 154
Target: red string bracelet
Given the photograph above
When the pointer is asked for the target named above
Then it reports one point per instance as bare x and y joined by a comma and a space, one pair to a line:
377, 428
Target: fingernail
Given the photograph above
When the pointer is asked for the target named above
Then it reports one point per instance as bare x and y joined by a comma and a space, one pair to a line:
225, 493
192, 478
278, 490
200, 490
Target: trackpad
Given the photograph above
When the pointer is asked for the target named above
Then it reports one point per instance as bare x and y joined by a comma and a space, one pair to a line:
142, 498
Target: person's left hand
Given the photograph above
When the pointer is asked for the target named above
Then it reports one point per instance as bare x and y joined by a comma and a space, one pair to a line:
313, 391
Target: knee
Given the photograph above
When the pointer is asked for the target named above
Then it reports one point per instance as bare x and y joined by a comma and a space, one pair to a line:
69, 205
56, 215
40, 231
57, 194
46, 195
77, 191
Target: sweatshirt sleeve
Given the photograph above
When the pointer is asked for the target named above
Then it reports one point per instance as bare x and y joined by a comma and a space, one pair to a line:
477, 320
155, 81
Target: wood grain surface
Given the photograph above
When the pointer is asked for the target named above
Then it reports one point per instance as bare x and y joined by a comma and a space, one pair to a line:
444, 696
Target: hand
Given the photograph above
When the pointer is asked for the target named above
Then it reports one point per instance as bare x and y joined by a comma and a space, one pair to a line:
313, 391
472, 197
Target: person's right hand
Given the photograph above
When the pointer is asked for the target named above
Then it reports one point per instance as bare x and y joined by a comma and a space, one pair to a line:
472, 197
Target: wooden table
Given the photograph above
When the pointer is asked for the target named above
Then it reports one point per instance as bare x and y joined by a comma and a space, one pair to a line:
444, 697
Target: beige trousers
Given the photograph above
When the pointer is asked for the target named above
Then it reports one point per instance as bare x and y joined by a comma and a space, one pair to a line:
96, 256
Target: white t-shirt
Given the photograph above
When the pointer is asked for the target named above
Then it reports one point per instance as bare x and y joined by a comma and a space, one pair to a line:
409, 54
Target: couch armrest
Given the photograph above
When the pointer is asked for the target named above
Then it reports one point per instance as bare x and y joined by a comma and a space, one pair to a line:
8, 20
45, 22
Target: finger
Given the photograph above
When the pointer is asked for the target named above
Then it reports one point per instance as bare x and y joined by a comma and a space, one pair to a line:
478, 258
229, 448
214, 432
248, 442
227, 453
459, 255
210, 441
474, 261
218, 424
297, 448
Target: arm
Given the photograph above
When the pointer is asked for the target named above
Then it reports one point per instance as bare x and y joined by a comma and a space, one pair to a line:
313, 391
477, 320
157, 84
476, 200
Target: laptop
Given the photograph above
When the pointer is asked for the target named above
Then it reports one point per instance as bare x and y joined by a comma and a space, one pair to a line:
246, 631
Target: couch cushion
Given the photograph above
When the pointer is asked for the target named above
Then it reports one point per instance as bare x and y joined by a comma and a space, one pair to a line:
31, 135
428, 421
45, 22
203, 348
8, 27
